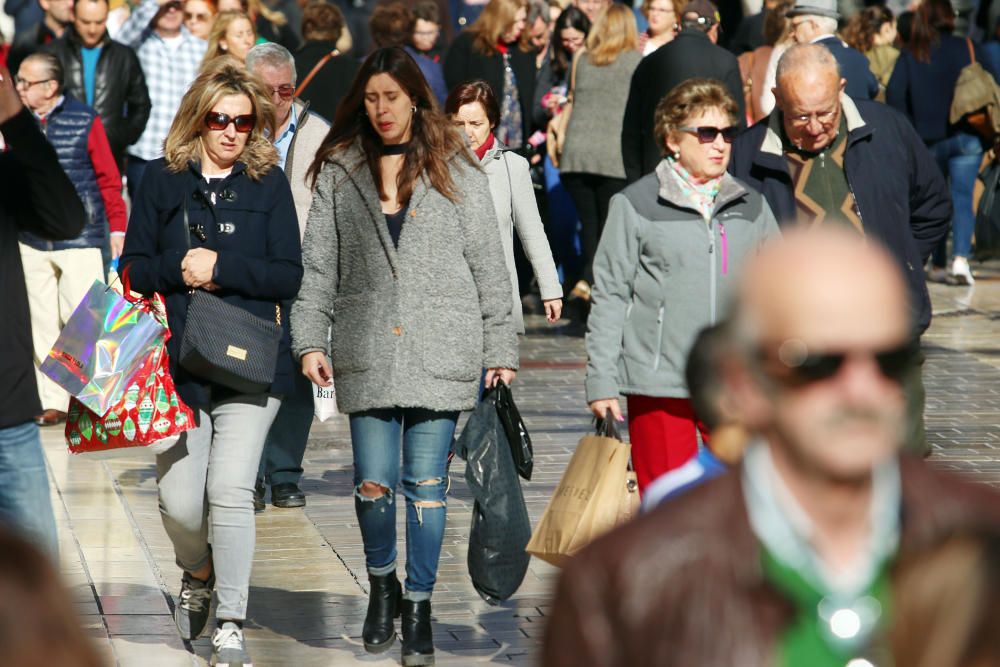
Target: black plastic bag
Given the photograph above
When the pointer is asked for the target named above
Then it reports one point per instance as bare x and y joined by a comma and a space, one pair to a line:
500, 525
516, 431
988, 214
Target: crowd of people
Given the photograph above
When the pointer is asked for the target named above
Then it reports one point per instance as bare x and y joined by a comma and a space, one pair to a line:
742, 220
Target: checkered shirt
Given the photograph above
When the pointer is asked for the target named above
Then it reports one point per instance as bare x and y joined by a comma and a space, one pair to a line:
169, 73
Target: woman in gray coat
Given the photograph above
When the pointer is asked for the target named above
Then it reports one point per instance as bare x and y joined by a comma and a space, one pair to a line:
474, 110
404, 267
669, 258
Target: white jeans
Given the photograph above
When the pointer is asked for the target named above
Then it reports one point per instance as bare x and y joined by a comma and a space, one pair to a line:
56, 281
207, 478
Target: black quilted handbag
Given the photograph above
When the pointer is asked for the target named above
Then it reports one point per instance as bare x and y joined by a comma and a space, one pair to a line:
229, 346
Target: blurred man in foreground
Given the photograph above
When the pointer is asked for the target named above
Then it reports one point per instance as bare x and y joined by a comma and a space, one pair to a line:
786, 559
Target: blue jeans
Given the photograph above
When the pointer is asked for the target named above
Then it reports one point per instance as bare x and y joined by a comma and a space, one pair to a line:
959, 157
425, 438
563, 225
24, 487
281, 462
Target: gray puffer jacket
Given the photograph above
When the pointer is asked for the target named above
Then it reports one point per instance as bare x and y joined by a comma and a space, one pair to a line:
413, 326
661, 274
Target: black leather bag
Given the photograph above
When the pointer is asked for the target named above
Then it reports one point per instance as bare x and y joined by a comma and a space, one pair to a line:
228, 345
517, 432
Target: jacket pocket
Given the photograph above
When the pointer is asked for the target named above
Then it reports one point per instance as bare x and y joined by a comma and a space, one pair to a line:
452, 339
642, 340
352, 335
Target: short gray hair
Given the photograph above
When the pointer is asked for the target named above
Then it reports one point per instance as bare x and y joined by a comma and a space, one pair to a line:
539, 9
270, 54
52, 65
805, 56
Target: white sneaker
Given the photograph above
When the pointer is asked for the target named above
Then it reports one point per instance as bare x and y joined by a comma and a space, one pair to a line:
229, 648
960, 272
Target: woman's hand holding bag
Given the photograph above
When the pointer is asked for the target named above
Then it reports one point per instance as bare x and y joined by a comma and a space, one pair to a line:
316, 367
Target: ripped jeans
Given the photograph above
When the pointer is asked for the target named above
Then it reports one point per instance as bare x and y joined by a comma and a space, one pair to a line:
425, 437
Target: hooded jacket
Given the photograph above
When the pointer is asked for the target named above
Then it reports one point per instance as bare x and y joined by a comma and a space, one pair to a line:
900, 194
661, 274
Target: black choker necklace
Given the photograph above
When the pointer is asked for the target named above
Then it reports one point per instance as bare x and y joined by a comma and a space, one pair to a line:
395, 149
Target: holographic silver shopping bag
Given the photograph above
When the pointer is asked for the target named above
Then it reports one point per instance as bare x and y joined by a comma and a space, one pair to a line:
103, 345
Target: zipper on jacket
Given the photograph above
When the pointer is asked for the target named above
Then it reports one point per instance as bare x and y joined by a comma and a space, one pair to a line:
711, 271
850, 188
659, 340
724, 247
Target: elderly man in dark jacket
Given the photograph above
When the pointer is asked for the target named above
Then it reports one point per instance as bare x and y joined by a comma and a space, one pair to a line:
788, 559
815, 22
692, 54
35, 196
824, 158
105, 75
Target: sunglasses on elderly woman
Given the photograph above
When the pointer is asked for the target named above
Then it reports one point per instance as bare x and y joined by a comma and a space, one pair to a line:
216, 120
706, 134
798, 366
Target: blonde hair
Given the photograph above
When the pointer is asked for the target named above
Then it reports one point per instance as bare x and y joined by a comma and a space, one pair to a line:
497, 18
687, 99
216, 81
222, 22
257, 8
614, 32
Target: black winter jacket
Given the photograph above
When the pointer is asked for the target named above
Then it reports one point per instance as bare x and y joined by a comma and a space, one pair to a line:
35, 196
690, 55
900, 194
120, 94
252, 227
464, 63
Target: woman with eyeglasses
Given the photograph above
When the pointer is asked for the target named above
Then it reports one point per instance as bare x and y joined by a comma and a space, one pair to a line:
667, 263
199, 16
215, 213
662, 18
405, 286
591, 166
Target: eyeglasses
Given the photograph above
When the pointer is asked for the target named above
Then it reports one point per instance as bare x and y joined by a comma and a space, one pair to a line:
798, 366
201, 17
215, 120
824, 118
24, 84
706, 134
285, 91
427, 33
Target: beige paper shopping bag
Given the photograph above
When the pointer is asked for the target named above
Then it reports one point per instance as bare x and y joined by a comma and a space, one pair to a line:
593, 496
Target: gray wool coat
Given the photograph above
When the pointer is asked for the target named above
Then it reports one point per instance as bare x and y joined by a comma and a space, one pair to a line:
413, 326
514, 199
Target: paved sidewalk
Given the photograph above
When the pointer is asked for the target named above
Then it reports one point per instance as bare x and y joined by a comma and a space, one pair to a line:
308, 592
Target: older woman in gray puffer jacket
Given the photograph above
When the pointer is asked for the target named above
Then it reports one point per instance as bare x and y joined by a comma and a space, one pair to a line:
403, 263
667, 262
474, 110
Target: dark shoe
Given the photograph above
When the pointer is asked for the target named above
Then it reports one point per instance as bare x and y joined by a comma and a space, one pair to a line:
50, 418
383, 606
287, 495
258, 497
193, 605
418, 641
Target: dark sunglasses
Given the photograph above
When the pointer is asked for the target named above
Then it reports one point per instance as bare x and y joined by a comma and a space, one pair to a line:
707, 134
798, 367
215, 120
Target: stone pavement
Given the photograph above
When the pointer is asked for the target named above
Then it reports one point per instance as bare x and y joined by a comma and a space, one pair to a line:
308, 591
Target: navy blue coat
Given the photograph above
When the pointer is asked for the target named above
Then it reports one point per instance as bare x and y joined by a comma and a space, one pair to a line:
854, 67
924, 91
901, 196
252, 227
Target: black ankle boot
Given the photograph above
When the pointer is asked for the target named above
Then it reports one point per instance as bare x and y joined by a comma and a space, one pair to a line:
418, 642
383, 606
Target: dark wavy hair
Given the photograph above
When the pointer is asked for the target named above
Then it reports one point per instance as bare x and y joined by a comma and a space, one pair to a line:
434, 142
863, 26
571, 17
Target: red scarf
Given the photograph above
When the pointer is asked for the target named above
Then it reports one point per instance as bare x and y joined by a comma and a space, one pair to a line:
486, 145
502, 48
